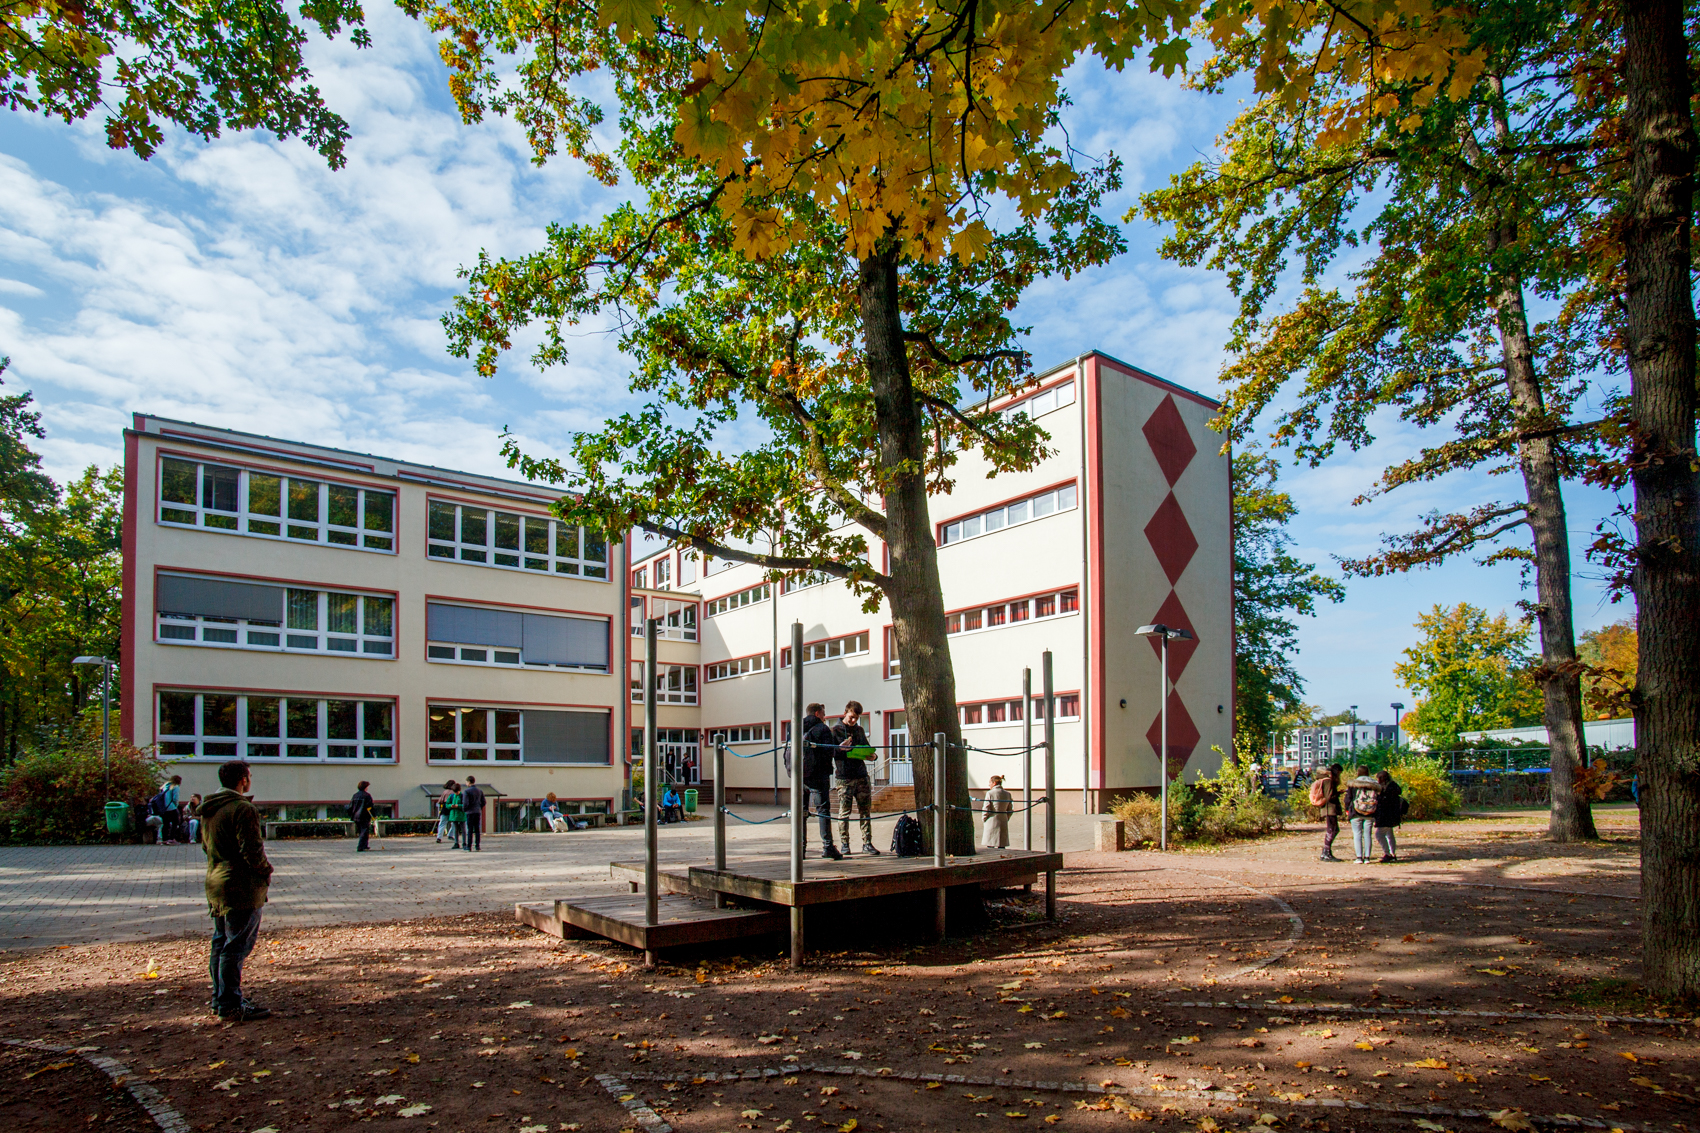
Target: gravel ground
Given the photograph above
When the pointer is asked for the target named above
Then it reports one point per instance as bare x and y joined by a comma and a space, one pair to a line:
1198, 991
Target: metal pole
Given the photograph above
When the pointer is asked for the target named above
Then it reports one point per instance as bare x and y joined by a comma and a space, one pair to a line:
106, 725
1050, 780
941, 809
799, 804
773, 662
1027, 754
1163, 754
720, 813
651, 840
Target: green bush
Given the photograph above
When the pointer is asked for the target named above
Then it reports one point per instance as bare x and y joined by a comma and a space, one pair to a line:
1141, 815
1426, 785
58, 796
1228, 807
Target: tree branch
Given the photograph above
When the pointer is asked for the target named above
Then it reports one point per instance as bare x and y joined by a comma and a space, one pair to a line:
721, 550
941, 403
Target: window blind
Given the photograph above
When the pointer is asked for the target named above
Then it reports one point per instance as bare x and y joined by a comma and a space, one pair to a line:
565, 641
566, 737
218, 598
468, 625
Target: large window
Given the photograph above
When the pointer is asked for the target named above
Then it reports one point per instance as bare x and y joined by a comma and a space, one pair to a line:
228, 725
1009, 515
743, 734
1009, 711
1011, 613
845, 646
737, 667
475, 635
1043, 402
518, 542
678, 618
893, 663
674, 684
738, 601
462, 733
222, 497
202, 610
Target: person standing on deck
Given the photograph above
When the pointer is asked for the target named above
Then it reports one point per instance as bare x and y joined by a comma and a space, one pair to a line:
850, 763
819, 744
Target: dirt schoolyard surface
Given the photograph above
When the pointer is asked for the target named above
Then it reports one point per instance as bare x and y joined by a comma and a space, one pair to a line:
1250, 989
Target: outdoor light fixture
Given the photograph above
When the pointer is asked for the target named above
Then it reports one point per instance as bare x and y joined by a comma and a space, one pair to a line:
105, 714
1166, 633
1397, 709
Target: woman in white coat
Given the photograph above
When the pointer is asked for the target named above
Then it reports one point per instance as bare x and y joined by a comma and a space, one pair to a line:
994, 825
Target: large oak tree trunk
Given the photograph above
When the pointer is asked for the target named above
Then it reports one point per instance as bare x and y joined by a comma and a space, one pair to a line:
1570, 818
1659, 310
917, 605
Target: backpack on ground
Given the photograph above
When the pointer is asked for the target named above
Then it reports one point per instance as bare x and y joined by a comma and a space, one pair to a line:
1319, 791
1363, 803
906, 838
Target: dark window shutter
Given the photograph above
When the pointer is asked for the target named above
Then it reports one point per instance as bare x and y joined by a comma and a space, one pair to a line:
566, 737
470, 625
218, 598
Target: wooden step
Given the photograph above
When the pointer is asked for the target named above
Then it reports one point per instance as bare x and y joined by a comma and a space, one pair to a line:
680, 920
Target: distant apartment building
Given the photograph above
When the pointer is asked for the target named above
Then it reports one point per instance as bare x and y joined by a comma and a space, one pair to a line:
1320, 746
333, 616
1125, 523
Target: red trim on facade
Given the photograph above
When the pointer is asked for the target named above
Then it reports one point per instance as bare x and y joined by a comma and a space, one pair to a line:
1093, 585
1066, 374
298, 583
341, 694
439, 497
483, 702
1063, 589
128, 626
940, 525
1152, 379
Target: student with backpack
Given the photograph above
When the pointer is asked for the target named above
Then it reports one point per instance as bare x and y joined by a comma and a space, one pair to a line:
454, 809
1325, 797
360, 809
818, 746
1390, 808
1360, 807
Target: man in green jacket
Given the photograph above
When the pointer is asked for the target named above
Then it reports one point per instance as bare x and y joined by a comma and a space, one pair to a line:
238, 874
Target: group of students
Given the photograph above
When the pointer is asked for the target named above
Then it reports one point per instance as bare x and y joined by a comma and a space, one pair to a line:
171, 819
1374, 804
461, 814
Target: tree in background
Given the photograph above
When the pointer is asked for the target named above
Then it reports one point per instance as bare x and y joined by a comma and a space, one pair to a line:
1609, 683
1470, 204
60, 575
1270, 588
1470, 673
204, 67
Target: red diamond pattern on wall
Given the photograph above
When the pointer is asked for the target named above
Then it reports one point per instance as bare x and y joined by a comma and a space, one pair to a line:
1174, 615
1171, 537
1183, 734
1172, 445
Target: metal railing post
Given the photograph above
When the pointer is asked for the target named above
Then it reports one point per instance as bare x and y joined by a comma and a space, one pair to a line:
651, 838
1050, 780
720, 813
941, 810
1027, 755
799, 803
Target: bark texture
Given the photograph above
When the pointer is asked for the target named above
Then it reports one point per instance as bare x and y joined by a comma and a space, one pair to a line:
1659, 312
917, 605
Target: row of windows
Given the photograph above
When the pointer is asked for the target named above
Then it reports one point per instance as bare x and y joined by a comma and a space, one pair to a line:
678, 619
657, 574
519, 542
1009, 613
1010, 515
739, 600
674, 684
1009, 711
229, 725
742, 666
1043, 402
226, 498
846, 646
315, 621
743, 734
223, 498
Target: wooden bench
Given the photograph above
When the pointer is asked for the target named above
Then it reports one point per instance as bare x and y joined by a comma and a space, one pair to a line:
310, 828
391, 827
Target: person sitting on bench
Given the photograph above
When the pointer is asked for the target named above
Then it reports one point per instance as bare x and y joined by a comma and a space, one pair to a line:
672, 806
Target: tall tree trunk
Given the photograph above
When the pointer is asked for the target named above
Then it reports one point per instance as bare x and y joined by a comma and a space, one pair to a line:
917, 605
1659, 309
1570, 817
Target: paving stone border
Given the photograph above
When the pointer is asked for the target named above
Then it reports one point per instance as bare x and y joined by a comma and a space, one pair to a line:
146, 1096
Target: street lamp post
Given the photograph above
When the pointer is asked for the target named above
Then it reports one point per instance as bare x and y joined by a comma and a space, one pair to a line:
105, 715
1353, 732
1166, 633
1397, 709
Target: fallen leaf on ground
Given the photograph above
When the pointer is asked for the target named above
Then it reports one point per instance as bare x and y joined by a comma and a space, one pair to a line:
1427, 1064
413, 1110
1514, 1119
1207, 1125
1431, 1126
53, 1066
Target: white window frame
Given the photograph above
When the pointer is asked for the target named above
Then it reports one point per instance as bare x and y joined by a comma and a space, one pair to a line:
829, 649
521, 557
741, 734
245, 745
678, 617
1040, 505
282, 638
737, 667
674, 684
738, 600
461, 750
243, 520
1038, 711
1043, 402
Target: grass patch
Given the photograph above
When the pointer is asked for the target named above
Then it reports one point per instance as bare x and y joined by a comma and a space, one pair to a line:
1620, 997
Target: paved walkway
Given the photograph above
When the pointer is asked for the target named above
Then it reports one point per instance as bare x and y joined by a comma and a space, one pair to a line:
52, 895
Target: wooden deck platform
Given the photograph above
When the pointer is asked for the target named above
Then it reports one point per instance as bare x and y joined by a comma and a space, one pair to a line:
681, 920
769, 879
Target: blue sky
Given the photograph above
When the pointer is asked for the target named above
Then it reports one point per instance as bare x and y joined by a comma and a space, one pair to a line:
243, 284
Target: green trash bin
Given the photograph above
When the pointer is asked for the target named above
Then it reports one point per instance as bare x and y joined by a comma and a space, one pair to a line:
690, 800
117, 818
